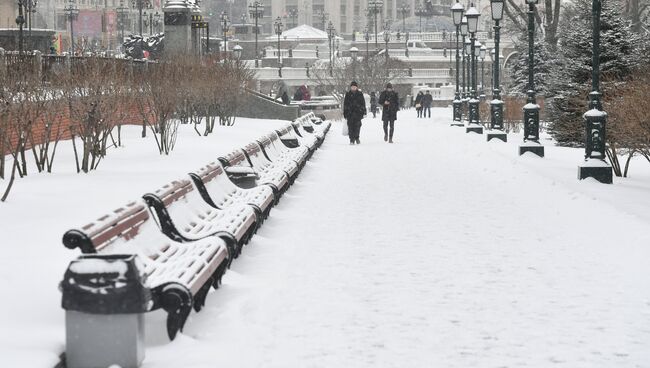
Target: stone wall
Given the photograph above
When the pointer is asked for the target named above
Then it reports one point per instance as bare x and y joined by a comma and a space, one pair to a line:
258, 106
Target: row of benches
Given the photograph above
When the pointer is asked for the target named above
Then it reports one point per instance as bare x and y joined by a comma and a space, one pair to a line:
187, 233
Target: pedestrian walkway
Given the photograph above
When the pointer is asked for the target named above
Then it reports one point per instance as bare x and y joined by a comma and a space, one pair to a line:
440, 250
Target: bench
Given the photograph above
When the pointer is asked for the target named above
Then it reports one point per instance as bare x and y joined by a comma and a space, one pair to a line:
277, 180
265, 166
184, 215
179, 274
291, 139
219, 191
277, 152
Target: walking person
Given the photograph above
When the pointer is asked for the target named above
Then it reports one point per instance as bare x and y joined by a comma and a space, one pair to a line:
389, 100
418, 103
427, 101
373, 104
354, 109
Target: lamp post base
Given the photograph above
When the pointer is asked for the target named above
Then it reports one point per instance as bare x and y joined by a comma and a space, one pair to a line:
457, 123
597, 169
474, 128
532, 147
497, 134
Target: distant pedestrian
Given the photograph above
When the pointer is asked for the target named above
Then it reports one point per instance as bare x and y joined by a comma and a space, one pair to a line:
427, 101
354, 109
418, 103
389, 100
373, 104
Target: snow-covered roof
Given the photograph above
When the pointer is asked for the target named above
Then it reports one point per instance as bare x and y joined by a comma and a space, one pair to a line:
303, 32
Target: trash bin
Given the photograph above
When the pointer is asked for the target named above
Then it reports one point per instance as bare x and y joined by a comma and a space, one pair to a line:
105, 299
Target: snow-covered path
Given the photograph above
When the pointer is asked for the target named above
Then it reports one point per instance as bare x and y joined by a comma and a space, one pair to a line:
440, 250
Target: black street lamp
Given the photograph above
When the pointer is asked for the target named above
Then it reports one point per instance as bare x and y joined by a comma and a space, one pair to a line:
225, 23
71, 12
496, 105
256, 11
152, 21
595, 165
531, 109
474, 125
464, 31
278, 31
330, 36
481, 54
30, 8
122, 15
405, 10
366, 36
375, 7
420, 12
386, 38
457, 16
20, 21
323, 16
406, 44
293, 14
141, 4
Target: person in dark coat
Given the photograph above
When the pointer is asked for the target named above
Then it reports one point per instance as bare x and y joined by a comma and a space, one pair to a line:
373, 104
427, 101
354, 109
418, 103
389, 100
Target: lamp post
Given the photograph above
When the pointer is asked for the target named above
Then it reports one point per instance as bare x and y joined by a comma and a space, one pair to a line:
30, 8
531, 109
122, 13
323, 15
496, 105
71, 12
375, 7
406, 44
366, 36
256, 11
293, 14
457, 16
420, 13
225, 22
20, 21
482, 54
140, 4
405, 9
152, 20
278, 31
474, 125
464, 32
354, 52
386, 39
595, 165
330, 36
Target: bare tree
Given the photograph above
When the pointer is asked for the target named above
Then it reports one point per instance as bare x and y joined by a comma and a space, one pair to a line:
547, 18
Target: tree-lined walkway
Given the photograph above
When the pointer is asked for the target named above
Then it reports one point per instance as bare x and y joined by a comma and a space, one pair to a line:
438, 250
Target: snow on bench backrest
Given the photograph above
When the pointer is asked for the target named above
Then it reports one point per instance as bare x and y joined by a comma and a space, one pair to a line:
123, 222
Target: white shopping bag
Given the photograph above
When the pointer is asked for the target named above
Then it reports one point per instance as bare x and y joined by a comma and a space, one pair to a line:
344, 131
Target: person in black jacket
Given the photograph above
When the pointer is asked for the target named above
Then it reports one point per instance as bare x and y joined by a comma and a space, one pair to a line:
418, 104
389, 100
354, 109
373, 104
427, 101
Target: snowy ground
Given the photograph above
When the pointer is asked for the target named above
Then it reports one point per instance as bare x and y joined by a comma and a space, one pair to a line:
439, 250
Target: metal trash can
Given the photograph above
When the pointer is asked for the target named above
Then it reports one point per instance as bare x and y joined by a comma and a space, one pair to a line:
105, 300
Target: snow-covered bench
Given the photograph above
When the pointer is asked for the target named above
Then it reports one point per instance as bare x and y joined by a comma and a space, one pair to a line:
185, 216
276, 151
237, 161
263, 164
179, 273
289, 137
219, 191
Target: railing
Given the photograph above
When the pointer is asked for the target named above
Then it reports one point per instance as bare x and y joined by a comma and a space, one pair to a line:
424, 36
304, 54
